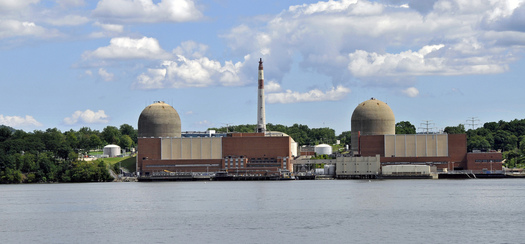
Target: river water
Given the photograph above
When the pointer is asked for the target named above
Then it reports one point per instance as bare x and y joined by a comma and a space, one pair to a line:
323, 211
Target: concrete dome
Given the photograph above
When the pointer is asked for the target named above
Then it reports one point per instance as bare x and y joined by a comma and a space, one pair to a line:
372, 117
159, 120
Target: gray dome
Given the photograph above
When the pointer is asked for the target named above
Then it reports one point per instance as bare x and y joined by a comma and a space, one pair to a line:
372, 117
159, 120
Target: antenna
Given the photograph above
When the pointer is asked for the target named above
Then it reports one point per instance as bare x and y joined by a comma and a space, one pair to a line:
227, 125
427, 126
472, 122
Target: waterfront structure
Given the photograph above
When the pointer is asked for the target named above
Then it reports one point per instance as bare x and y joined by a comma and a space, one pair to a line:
358, 167
163, 150
373, 135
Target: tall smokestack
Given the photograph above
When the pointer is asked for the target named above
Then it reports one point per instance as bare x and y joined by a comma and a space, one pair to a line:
261, 117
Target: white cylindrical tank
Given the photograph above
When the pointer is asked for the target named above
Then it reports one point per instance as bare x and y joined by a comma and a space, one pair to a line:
323, 149
111, 150
329, 169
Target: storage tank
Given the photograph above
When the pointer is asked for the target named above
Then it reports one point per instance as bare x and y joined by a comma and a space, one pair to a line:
329, 169
111, 150
372, 117
323, 149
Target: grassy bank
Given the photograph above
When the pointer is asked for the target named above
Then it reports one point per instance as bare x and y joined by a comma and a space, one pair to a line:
128, 163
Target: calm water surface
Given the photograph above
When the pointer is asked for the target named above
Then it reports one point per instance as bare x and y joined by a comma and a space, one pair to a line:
337, 211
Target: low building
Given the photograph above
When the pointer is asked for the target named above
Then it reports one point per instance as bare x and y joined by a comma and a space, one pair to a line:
486, 162
409, 171
358, 167
445, 151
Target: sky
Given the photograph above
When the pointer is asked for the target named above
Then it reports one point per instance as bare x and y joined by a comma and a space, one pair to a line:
69, 64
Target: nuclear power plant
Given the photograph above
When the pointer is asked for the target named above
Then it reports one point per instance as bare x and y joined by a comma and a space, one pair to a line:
167, 153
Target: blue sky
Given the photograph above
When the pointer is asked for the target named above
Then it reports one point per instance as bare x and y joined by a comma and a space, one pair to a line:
75, 63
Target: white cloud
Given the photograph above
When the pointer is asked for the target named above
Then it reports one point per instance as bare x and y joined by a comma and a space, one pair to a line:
426, 61
68, 20
369, 39
70, 3
12, 28
87, 117
146, 11
12, 5
105, 75
364, 64
316, 95
110, 27
272, 86
129, 48
191, 49
186, 72
411, 92
17, 121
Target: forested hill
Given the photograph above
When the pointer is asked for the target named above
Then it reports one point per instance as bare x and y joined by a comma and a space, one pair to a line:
52, 155
509, 137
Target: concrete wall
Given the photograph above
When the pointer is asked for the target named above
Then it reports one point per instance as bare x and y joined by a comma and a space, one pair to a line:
427, 145
456, 159
406, 170
355, 166
192, 148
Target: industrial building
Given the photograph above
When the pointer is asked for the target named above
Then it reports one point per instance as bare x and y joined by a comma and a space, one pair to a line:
373, 135
164, 150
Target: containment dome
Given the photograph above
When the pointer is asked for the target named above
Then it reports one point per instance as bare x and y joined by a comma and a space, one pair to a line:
159, 120
372, 117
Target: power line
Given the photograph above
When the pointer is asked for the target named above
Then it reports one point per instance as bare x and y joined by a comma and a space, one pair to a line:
427, 126
473, 121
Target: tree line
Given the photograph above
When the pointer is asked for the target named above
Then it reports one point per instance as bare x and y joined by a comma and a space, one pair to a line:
52, 155
302, 134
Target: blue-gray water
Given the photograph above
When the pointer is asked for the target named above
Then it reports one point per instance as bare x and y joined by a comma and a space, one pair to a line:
337, 211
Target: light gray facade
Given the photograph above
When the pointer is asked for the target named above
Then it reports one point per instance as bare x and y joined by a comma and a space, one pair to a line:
350, 167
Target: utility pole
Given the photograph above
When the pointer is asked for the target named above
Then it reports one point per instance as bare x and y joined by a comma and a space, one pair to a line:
472, 122
227, 125
426, 126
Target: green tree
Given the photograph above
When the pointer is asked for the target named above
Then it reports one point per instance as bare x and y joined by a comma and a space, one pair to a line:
460, 129
127, 129
111, 135
405, 127
5, 133
505, 140
95, 142
477, 142
345, 137
125, 142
